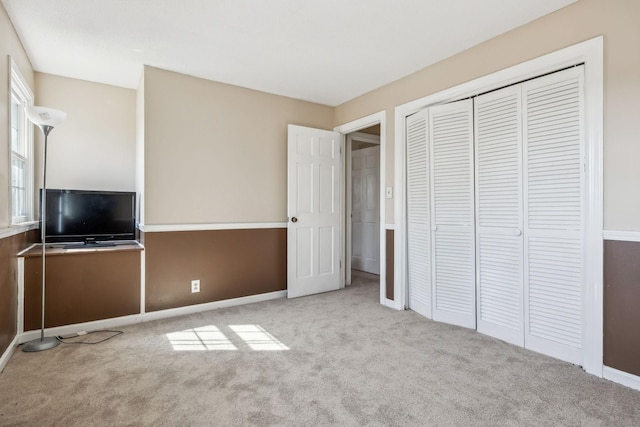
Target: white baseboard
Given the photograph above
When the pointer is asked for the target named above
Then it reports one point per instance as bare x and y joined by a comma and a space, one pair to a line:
190, 309
146, 317
392, 304
114, 322
621, 377
4, 359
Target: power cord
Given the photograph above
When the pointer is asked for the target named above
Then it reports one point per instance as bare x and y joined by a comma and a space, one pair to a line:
82, 333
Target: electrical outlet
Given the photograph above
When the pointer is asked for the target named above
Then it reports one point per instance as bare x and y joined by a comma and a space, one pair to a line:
195, 286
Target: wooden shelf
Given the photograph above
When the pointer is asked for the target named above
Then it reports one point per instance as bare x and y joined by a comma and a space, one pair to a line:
58, 249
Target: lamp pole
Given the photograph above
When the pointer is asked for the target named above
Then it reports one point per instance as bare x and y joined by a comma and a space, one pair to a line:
45, 119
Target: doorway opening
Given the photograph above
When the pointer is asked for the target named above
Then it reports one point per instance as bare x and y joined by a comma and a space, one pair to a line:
362, 207
363, 134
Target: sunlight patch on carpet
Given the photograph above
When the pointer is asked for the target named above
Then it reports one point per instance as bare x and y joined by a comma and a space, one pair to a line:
200, 339
207, 338
257, 338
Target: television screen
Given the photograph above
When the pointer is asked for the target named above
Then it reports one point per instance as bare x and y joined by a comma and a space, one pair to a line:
89, 216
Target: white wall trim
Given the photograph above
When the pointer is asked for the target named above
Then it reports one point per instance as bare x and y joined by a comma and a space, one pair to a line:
4, 359
143, 282
365, 137
20, 323
198, 308
621, 377
147, 317
590, 53
27, 249
17, 229
348, 212
622, 236
158, 228
354, 126
362, 123
390, 226
395, 305
85, 326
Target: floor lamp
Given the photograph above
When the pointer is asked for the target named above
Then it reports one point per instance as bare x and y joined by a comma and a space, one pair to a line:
46, 119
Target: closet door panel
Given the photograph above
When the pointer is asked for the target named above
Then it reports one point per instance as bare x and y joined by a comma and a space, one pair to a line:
418, 215
452, 210
554, 198
499, 274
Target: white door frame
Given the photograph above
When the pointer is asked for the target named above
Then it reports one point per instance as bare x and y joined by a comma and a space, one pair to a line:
590, 53
354, 126
363, 137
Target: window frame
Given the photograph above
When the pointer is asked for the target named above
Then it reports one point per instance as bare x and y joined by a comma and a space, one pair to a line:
19, 90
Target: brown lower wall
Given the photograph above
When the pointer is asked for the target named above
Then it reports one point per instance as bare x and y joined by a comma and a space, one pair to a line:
390, 264
228, 263
622, 306
9, 248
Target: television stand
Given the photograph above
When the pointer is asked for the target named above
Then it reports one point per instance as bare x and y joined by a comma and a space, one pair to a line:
83, 285
89, 245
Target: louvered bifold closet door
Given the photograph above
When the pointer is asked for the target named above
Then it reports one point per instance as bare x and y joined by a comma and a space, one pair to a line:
418, 215
452, 213
499, 253
554, 198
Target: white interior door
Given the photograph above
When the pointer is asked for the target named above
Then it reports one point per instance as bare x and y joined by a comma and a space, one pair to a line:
365, 209
418, 215
314, 206
452, 213
499, 239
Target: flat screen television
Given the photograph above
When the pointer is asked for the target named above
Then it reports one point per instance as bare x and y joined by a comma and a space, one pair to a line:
83, 216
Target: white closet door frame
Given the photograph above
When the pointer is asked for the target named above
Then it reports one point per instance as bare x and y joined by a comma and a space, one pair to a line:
453, 257
589, 53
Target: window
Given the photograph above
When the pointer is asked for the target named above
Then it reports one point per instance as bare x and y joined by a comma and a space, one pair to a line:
21, 148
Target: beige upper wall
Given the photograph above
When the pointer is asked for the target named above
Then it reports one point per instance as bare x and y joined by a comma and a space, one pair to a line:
94, 149
617, 20
215, 152
9, 46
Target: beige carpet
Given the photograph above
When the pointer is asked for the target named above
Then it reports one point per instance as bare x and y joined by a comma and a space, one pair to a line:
333, 359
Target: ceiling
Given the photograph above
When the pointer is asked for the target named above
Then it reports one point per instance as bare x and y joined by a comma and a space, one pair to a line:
324, 51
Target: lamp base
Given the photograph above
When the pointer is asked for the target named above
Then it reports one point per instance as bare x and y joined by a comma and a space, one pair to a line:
41, 344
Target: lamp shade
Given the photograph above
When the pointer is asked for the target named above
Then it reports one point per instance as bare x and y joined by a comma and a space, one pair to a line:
43, 116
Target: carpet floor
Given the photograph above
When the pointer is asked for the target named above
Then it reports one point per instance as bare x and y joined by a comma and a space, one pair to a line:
338, 358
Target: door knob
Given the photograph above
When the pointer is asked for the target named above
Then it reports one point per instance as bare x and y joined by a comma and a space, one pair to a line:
294, 219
